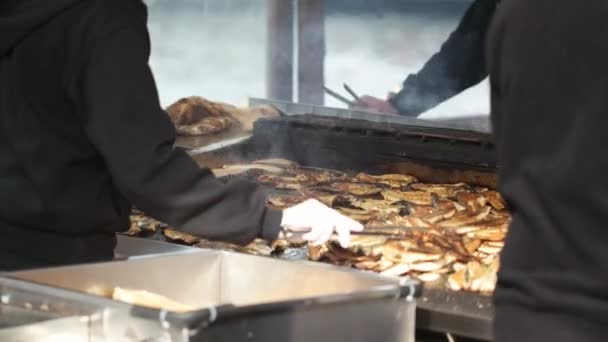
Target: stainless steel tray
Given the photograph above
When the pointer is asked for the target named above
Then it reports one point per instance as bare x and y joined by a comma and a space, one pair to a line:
248, 298
128, 246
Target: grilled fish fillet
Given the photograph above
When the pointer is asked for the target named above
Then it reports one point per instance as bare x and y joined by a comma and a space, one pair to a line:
357, 189
392, 180
415, 197
442, 190
174, 235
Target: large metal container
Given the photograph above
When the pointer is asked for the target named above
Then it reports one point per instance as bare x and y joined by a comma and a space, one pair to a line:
248, 298
128, 247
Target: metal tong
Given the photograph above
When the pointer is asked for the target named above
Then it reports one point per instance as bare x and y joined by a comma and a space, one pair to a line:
341, 98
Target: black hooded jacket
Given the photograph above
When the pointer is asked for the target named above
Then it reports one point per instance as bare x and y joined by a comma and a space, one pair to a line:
460, 64
83, 137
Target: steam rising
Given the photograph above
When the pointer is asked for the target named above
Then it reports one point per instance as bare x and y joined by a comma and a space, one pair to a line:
216, 49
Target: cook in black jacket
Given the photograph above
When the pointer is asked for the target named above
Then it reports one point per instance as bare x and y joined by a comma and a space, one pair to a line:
460, 64
83, 136
549, 85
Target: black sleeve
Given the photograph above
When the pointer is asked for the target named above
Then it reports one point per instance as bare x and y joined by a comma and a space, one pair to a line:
459, 64
125, 122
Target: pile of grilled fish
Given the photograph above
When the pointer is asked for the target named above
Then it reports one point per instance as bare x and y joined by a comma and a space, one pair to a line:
446, 235
142, 225
197, 116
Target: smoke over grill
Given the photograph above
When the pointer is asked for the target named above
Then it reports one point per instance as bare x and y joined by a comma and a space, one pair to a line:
216, 48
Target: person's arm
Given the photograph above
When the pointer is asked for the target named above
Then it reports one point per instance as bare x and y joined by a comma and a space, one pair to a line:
123, 119
459, 64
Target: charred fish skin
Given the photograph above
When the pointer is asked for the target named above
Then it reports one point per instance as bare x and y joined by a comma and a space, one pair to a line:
450, 235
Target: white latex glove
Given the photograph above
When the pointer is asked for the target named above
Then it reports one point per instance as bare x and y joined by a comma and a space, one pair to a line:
316, 223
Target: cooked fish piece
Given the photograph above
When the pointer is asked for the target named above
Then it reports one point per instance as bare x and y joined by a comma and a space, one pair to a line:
492, 234
486, 283
366, 265
458, 281
149, 299
392, 180
316, 253
357, 189
190, 110
479, 276
405, 221
257, 247
415, 197
356, 214
473, 202
363, 241
429, 277
461, 220
280, 244
174, 235
494, 264
206, 244
458, 266
207, 126
442, 190
398, 252
471, 244
377, 205
383, 265
427, 266
439, 216
447, 204
488, 249
495, 199
396, 270
421, 210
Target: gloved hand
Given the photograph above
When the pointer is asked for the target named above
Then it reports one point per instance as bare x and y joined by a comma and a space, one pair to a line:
315, 222
371, 103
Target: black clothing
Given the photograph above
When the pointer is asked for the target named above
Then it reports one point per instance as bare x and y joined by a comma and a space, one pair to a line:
460, 64
83, 136
549, 80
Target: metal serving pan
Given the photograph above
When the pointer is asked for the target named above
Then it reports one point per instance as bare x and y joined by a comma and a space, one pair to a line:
248, 298
128, 246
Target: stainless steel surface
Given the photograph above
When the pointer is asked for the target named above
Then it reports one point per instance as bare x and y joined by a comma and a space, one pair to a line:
303, 297
479, 123
33, 312
219, 145
301, 108
70, 329
128, 246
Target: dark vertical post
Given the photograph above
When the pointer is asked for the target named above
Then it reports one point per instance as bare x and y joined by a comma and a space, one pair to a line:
279, 51
311, 51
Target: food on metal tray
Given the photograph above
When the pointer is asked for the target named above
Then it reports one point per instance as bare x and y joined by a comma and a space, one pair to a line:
149, 299
392, 180
449, 235
357, 189
442, 190
196, 116
415, 197
174, 235
495, 199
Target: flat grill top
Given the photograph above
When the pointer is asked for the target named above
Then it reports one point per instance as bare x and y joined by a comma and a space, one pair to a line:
387, 129
340, 143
